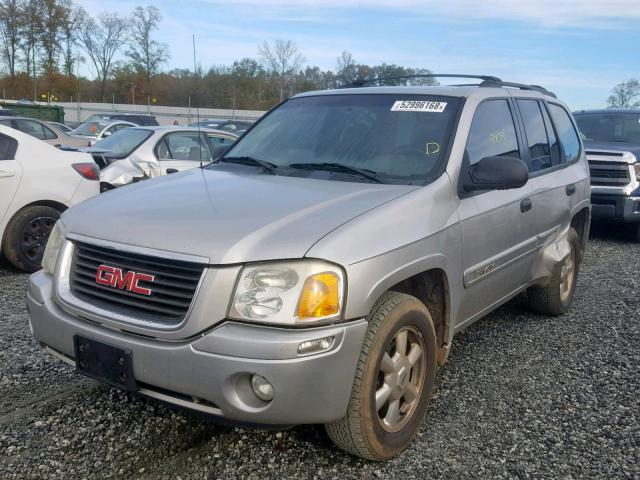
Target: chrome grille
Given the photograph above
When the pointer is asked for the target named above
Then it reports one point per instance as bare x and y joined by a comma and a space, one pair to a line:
612, 174
171, 291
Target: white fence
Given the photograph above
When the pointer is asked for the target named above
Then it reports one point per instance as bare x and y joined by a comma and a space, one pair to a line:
78, 112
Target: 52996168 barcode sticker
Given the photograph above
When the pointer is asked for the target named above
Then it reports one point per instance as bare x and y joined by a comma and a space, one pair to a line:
418, 106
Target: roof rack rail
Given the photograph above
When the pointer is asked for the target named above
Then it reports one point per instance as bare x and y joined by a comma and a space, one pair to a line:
487, 81
361, 82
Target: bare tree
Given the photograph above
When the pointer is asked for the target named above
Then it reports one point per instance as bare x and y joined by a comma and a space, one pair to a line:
625, 94
346, 68
10, 18
73, 21
283, 59
31, 32
101, 40
146, 54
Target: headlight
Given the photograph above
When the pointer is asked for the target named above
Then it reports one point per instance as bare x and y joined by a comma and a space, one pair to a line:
636, 168
289, 293
54, 244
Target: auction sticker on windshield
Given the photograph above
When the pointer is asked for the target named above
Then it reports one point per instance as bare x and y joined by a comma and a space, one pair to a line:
418, 106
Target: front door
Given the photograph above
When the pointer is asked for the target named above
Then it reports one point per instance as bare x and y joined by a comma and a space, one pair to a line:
497, 242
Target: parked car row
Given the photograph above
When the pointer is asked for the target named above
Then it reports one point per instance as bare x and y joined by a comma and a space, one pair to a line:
317, 267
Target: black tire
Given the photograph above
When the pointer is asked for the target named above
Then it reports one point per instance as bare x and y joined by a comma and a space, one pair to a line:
362, 431
26, 236
553, 299
635, 232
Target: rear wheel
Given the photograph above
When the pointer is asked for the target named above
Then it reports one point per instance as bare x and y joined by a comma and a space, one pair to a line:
393, 383
26, 236
555, 299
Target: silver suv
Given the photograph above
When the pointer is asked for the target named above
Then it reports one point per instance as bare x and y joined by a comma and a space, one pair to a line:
317, 272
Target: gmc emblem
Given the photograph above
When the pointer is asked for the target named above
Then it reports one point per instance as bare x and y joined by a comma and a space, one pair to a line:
115, 277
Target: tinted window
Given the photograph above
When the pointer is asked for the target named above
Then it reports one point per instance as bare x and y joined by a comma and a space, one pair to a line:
537, 141
551, 134
492, 132
8, 147
569, 141
400, 138
184, 146
610, 127
122, 143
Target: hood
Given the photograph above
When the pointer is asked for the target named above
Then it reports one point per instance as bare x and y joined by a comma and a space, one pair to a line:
614, 146
225, 216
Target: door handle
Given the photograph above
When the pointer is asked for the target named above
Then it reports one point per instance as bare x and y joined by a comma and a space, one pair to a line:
172, 170
526, 205
4, 174
571, 189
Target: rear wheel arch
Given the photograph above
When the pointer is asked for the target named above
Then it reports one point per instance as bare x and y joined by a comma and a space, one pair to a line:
580, 222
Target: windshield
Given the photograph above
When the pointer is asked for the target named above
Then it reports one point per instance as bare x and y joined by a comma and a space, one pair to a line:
90, 128
123, 142
400, 139
610, 127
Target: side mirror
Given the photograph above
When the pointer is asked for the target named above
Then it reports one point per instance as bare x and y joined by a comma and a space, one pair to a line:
496, 173
106, 134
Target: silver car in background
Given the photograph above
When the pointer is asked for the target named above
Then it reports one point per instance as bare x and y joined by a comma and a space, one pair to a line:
45, 131
137, 153
95, 130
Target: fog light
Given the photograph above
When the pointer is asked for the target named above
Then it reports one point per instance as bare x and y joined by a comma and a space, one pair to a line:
262, 388
315, 346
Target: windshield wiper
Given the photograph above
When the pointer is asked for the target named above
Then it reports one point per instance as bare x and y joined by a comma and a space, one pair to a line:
339, 167
266, 166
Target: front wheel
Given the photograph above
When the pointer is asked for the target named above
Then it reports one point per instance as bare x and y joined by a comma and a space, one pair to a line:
393, 383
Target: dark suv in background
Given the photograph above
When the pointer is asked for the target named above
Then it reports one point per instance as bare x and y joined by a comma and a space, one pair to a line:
612, 141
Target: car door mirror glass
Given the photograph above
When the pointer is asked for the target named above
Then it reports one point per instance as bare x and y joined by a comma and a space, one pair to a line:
496, 173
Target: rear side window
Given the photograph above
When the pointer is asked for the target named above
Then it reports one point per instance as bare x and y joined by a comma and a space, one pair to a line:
569, 141
551, 134
49, 134
184, 146
492, 132
537, 141
8, 147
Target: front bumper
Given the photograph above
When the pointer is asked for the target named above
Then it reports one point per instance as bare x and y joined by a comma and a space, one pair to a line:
211, 372
615, 207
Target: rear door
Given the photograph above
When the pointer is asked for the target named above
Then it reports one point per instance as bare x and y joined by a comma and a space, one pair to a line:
10, 173
552, 147
179, 151
497, 244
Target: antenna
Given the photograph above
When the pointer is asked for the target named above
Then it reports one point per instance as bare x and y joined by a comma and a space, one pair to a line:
195, 79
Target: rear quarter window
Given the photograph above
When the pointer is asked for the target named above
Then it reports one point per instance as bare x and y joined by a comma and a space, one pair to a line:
8, 147
569, 140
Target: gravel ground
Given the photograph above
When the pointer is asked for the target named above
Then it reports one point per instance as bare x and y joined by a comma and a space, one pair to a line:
522, 396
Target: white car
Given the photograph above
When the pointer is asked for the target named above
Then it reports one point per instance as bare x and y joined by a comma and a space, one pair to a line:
147, 152
37, 183
96, 130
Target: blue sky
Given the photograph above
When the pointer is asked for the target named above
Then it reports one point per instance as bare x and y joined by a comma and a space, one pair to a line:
578, 48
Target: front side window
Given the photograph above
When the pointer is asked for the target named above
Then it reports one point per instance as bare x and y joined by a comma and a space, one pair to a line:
492, 132
537, 140
569, 141
184, 146
32, 128
394, 138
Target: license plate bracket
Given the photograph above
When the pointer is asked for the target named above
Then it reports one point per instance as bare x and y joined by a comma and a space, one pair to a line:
105, 363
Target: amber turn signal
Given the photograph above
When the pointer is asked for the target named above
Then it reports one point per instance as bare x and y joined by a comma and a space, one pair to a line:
320, 296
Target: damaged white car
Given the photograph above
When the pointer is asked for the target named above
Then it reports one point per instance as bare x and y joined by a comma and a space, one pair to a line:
137, 153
